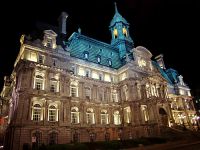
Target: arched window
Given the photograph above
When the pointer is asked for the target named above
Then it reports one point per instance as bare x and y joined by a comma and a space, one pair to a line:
115, 33
37, 112
104, 117
53, 113
74, 89
87, 93
117, 119
90, 116
86, 55
125, 32
109, 62
99, 59
127, 115
74, 115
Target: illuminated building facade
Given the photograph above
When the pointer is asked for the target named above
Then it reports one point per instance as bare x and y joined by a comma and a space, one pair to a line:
82, 89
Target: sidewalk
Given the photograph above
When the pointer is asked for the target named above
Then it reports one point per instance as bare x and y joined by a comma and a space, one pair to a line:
166, 146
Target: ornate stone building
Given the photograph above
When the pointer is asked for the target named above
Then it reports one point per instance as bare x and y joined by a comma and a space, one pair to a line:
82, 89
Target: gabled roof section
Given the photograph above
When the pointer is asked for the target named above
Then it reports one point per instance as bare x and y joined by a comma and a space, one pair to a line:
80, 44
162, 72
117, 18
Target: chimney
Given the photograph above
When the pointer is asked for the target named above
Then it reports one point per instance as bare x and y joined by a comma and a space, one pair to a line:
160, 61
62, 23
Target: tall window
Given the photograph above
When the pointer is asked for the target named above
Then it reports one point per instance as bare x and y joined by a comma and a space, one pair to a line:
41, 59
86, 55
39, 82
53, 138
125, 32
125, 90
90, 116
74, 89
98, 59
101, 94
110, 62
104, 117
74, 115
148, 93
54, 85
117, 119
53, 113
87, 93
115, 33
145, 112
36, 112
127, 115
114, 96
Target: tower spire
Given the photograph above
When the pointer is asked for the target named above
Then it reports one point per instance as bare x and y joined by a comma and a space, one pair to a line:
116, 10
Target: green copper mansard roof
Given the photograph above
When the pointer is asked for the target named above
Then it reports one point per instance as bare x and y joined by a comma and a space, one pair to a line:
117, 18
80, 44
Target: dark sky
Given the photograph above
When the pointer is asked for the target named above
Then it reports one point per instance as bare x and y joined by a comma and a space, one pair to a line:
170, 27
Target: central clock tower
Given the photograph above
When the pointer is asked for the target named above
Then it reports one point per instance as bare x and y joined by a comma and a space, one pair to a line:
121, 39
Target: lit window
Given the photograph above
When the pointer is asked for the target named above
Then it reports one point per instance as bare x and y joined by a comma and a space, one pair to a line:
39, 82
33, 57
107, 78
36, 112
52, 113
127, 114
125, 91
144, 112
99, 59
104, 117
90, 116
81, 71
86, 55
114, 96
115, 33
117, 119
125, 32
74, 115
110, 62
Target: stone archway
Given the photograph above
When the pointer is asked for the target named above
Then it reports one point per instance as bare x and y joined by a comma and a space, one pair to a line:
163, 116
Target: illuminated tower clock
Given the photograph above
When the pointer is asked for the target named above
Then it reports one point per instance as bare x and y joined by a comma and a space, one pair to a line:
121, 39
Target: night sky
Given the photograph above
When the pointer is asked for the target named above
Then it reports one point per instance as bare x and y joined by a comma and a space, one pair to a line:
170, 27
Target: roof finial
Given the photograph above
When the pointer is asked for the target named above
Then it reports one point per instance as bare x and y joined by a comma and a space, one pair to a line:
116, 11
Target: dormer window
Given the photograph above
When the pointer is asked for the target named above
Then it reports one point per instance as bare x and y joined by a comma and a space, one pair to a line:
49, 39
109, 62
98, 59
86, 55
115, 33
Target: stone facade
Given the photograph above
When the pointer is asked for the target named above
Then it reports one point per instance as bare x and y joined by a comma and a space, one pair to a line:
84, 90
